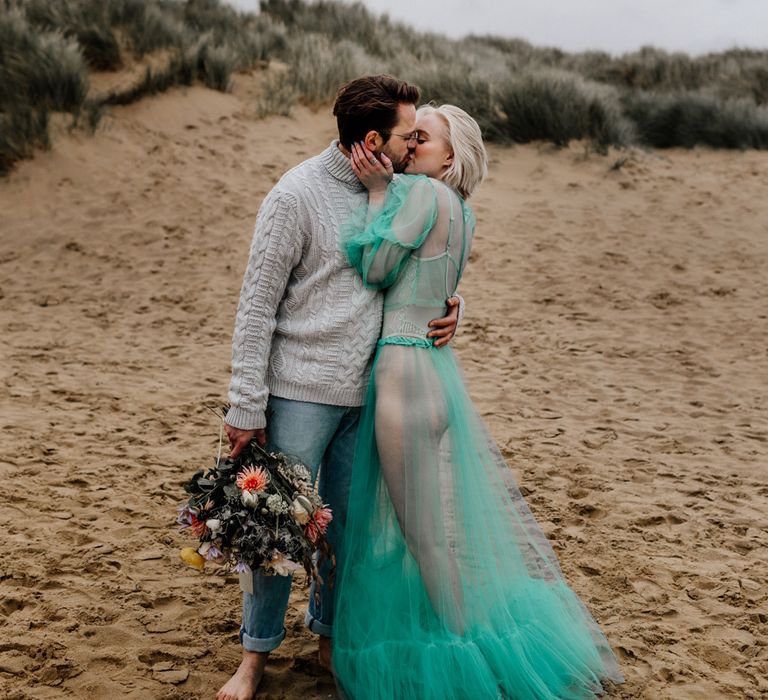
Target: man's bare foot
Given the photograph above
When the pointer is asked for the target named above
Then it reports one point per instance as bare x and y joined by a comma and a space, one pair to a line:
243, 684
324, 653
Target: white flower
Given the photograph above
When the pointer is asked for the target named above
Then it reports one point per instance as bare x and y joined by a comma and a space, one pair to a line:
276, 504
250, 499
214, 525
300, 510
282, 566
209, 550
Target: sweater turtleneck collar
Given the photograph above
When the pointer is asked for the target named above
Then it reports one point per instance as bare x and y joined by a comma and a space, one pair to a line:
338, 165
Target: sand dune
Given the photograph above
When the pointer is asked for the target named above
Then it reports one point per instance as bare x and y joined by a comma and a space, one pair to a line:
615, 340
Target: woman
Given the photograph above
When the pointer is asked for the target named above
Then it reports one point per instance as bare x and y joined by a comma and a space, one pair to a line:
449, 588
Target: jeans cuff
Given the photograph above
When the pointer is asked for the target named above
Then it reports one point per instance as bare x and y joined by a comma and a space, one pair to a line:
314, 625
260, 644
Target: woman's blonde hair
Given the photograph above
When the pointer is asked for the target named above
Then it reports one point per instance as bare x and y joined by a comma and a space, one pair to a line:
470, 160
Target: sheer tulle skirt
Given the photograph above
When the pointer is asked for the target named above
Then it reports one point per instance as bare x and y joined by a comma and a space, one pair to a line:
447, 588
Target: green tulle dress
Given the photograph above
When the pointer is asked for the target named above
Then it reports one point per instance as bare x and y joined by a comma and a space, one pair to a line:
447, 588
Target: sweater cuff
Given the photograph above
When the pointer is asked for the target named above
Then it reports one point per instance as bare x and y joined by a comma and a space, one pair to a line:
243, 419
461, 308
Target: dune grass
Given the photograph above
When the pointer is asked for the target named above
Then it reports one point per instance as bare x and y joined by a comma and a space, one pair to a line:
49, 47
557, 106
691, 119
40, 73
518, 92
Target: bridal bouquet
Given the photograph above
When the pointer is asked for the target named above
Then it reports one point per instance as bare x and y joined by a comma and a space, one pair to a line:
258, 511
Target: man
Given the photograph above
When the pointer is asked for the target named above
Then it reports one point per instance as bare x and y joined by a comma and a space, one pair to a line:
305, 333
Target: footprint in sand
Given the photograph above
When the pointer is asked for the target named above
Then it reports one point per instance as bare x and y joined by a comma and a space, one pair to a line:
10, 605
676, 519
590, 511
649, 590
577, 493
599, 437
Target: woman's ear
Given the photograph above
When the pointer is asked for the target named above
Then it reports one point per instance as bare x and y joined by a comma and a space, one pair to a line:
448, 160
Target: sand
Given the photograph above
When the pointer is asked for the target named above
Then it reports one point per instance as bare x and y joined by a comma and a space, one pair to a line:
615, 339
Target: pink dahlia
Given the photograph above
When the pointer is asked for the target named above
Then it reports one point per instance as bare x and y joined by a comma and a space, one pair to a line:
321, 518
252, 479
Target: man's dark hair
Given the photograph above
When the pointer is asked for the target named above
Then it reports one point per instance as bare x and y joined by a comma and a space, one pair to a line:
370, 104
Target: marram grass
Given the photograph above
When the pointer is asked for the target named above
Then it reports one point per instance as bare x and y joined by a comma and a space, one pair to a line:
518, 92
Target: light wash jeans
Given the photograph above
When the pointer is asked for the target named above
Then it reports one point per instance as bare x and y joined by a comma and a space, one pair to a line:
323, 437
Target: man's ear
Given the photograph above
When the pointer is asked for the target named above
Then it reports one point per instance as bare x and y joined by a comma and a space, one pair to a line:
373, 141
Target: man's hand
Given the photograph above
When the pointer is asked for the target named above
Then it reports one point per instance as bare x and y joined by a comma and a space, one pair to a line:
239, 439
445, 327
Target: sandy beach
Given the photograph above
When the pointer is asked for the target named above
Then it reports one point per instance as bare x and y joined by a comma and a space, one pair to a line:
616, 341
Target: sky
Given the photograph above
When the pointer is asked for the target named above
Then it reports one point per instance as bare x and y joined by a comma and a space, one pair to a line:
616, 26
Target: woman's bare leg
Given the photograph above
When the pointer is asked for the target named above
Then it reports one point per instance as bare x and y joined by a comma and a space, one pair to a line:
411, 420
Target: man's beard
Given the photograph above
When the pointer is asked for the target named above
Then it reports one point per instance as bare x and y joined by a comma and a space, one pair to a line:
398, 166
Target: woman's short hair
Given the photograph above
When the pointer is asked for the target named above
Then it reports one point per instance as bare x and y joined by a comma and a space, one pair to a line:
470, 160
370, 104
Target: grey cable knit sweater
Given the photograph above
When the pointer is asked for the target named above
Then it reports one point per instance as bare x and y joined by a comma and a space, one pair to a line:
306, 327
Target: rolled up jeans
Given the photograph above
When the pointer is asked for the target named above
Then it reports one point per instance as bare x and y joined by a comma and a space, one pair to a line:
323, 438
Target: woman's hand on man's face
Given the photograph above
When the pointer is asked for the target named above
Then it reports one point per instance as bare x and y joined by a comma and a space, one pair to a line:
375, 173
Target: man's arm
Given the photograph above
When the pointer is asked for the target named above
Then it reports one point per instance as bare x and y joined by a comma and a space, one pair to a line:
275, 251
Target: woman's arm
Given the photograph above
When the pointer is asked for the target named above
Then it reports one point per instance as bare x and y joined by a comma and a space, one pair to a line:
375, 174
400, 214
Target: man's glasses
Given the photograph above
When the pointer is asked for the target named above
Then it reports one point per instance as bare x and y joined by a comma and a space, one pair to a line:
413, 136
